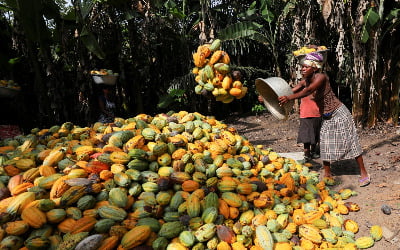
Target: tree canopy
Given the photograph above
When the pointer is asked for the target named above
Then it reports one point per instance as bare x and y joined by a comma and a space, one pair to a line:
49, 48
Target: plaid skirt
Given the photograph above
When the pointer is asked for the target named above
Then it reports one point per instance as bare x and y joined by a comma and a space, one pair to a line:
338, 138
309, 130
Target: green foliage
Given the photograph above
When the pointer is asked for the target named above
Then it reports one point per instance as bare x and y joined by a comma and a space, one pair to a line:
370, 19
239, 30
91, 43
174, 96
258, 108
174, 10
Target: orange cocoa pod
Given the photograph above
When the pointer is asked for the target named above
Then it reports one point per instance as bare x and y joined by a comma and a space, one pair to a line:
190, 185
43, 154
59, 187
46, 170
96, 187
223, 208
23, 187
31, 174
5, 149
109, 243
18, 227
106, 175
235, 92
135, 236
223, 246
34, 217
84, 224
66, 225
15, 181
129, 223
5, 202
233, 212
12, 170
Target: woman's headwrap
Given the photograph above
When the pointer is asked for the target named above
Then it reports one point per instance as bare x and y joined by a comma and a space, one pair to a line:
314, 59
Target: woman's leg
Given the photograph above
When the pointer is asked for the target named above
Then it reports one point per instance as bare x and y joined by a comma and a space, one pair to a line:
314, 151
327, 168
312, 147
360, 163
364, 179
307, 152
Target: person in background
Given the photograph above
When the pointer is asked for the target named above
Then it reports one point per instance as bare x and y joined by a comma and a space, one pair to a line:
310, 122
338, 136
106, 104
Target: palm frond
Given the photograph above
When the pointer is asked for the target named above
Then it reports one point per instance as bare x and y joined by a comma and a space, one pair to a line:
239, 30
183, 82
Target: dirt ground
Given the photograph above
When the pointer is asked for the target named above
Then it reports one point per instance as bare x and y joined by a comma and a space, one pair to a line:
381, 156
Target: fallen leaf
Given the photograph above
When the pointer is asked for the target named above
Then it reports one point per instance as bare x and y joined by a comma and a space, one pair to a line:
381, 185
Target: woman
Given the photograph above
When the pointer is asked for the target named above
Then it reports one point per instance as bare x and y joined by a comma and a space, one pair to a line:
338, 135
106, 105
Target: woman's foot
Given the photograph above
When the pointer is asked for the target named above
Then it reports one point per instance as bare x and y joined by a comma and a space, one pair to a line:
364, 181
307, 154
315, 155
307, 158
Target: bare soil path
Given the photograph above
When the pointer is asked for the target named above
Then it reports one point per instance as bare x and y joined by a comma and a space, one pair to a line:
381, 156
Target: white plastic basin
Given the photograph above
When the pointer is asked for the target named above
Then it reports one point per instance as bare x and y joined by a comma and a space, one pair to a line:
270, 89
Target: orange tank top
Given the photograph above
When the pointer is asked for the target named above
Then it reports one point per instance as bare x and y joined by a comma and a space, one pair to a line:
309, 108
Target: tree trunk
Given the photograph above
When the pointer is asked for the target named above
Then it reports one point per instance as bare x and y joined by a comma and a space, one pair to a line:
359, 87
375, 81
394, 104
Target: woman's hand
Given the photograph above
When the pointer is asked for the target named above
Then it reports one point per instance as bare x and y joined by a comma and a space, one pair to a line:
283, 99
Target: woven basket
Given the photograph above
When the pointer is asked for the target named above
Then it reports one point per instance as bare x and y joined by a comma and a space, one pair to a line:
270, 89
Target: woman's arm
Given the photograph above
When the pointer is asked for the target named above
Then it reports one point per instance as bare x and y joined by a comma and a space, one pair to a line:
299, 86
316, 83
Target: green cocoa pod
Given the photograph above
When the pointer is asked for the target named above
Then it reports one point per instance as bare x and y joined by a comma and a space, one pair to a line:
160, 243
187, 238
205, 232
171, 230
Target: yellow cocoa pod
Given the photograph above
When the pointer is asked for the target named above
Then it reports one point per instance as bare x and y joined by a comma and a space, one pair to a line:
226, 82
215, 57
225, 58
237, 84
244, 91
235, 92
364, 242
376, 232
350, 225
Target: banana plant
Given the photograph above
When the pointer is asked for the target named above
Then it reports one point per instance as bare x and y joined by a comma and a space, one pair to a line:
262, 23
80, 13
378, 20
372, 18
